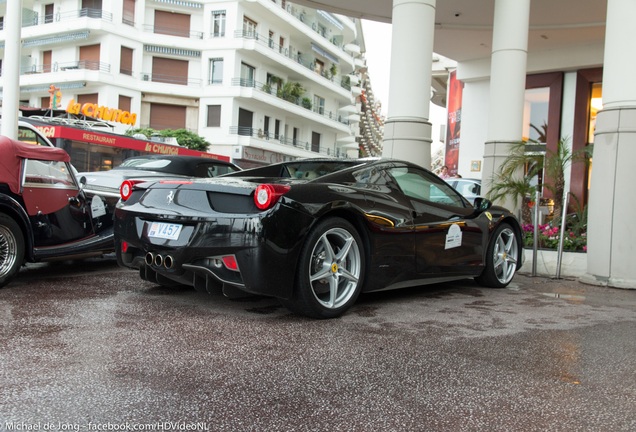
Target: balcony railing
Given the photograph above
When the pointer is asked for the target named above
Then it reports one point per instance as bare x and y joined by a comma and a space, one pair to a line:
66, 66
171, 79
269, 135
278, 92
303, 19
268, 42
171, 31
68, 16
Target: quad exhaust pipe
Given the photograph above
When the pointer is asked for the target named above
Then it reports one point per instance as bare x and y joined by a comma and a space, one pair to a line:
159, 260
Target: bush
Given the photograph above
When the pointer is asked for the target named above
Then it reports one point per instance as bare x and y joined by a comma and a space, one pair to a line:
549, 238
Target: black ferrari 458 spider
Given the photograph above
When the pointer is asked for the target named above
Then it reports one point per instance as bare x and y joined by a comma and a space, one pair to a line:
314, 233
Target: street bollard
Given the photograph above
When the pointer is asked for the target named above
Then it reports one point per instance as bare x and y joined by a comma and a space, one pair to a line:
536, 235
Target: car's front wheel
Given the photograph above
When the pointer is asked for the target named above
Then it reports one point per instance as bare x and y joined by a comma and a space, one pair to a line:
11, 249
501, 258
330, 272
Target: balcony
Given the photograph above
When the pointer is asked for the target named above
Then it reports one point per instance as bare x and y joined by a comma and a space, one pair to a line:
66, 66
268, 135
265, 41
279, 93
68, 16
170, 31
170, 79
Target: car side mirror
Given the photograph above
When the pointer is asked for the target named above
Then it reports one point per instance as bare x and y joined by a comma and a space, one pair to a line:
482, 204
82, 181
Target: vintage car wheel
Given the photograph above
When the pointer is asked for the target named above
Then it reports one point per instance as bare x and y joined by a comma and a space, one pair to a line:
330, 270
501, 258
11, 249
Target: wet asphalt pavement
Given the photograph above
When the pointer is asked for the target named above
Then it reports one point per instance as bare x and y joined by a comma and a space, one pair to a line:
89, 346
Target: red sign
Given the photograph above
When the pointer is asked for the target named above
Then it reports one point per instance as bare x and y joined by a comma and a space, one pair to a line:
453, 129
122, 142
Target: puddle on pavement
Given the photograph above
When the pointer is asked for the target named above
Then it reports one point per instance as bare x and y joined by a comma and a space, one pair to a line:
564, 296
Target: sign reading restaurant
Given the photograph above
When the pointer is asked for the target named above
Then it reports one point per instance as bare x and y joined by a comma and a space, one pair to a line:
121, 141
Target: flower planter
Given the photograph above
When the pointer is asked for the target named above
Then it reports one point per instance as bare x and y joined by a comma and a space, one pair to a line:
573, 264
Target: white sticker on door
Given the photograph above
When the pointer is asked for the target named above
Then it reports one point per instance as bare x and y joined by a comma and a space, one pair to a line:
97, 207
454, 237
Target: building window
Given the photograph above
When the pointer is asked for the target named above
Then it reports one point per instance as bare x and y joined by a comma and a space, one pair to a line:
535, 114
214, 115
596, 104
47, 61
247, 75
216, 71
48, 13
125, 103
319, 104
320, 66
218, 23
126, 61
249, 27
315, 142
128, 13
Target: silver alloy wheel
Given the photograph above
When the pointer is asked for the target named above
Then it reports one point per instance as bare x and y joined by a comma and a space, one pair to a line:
8, 250
334, 268
505, 255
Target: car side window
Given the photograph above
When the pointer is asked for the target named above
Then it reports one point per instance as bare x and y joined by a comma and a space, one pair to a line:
48, 173
417, 184
28, 136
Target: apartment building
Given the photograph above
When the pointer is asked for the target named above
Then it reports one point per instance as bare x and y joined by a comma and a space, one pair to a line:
262, 80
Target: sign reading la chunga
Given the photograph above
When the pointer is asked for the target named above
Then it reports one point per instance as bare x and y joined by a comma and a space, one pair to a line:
101, 112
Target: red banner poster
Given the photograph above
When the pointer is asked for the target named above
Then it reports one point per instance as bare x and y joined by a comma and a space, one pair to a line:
453, 129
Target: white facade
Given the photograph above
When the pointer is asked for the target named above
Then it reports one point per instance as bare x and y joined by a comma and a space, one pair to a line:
286, 41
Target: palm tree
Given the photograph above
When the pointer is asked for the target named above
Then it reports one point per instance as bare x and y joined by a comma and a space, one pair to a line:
556, 162
503, 185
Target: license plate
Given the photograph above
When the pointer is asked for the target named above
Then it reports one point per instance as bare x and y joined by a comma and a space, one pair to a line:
164, 230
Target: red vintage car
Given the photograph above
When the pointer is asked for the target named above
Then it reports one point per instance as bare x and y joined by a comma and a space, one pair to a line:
44, 213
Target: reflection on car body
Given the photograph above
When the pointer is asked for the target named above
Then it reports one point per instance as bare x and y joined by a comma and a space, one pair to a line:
314, 243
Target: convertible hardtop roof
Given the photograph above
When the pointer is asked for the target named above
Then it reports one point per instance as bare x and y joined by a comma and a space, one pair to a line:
13, 152
178, 163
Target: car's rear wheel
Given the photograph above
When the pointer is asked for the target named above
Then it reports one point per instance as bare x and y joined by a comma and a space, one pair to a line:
11, 249
330, 271
501, 258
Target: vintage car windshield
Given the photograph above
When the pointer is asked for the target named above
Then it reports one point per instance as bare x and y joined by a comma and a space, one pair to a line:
50, 173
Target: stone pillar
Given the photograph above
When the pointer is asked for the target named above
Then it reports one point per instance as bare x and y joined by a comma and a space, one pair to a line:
507, 85
11, 69
611, 236
407, 131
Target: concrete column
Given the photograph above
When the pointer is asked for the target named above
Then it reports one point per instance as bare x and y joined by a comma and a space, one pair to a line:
611, 244
507, 84
407, 131
11, 69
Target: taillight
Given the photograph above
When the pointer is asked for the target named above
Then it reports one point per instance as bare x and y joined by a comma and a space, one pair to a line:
127, 187
124, 246
230, 262
267, 195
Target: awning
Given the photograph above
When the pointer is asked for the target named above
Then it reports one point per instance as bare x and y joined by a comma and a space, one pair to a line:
67, 86
332, 19
56, 39
181, 3
324, 53
171, 51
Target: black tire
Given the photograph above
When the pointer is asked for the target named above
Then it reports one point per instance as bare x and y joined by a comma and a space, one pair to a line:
501, 259
11, 249
330, 271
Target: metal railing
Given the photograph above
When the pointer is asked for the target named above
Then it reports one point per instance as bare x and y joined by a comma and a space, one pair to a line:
171, 31
269, 135
273, 90
304, 19
268, 42
68, 16
171, 79
66, 66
